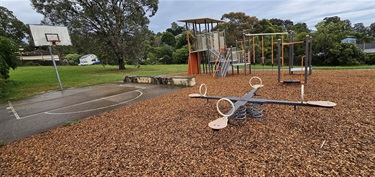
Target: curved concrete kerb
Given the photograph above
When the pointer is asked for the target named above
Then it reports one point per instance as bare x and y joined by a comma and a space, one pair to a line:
162, 80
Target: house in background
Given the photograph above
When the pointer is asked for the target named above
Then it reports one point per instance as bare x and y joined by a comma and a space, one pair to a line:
41, 57
349, 40
368, 48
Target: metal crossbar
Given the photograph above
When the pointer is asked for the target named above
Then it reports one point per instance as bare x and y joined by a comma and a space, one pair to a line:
265, 34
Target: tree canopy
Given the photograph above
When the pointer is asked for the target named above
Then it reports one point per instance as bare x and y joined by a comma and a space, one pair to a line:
119, 25
11, 27
8, 59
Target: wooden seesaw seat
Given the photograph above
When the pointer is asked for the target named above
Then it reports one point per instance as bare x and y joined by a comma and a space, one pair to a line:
219, 123
195, 95
327, 104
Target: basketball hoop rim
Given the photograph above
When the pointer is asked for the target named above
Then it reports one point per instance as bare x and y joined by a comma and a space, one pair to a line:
53, 42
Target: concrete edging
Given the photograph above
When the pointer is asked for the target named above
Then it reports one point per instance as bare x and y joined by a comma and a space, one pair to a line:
161, 80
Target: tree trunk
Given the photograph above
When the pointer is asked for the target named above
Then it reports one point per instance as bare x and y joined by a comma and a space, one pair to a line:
121, 64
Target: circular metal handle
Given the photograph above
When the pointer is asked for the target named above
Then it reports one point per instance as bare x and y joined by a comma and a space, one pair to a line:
218, 110
255, 86
205, 89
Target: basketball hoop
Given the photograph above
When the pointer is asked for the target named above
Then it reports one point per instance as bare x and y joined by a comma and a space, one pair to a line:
45, 35
52, 38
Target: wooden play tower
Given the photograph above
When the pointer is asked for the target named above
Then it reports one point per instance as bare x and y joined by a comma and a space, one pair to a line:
208, 44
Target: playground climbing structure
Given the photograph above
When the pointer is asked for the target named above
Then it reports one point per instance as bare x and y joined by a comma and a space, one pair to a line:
209, 53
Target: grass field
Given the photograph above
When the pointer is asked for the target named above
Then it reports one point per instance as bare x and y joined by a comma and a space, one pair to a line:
29, 81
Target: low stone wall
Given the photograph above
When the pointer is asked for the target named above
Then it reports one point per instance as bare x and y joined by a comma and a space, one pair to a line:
162, 79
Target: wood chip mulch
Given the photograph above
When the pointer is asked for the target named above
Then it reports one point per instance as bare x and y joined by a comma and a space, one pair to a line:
169, 135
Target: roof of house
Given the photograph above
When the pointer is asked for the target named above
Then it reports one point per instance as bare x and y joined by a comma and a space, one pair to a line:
36, 53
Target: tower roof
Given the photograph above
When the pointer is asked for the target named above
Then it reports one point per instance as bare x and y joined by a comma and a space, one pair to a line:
201, 20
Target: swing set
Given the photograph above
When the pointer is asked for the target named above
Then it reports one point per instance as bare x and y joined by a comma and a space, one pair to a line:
304, 70
306, 67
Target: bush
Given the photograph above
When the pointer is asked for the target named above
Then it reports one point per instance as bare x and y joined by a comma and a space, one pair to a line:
181, 56
4, 85
8, 58
345, 54
30, 63
370, 60
73, 59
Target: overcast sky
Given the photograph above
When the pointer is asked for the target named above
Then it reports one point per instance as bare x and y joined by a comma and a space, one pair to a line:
309, 11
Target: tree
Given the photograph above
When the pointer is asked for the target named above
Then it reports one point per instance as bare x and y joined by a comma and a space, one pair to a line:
300, 28
371, 30
8, 59
11, 27
326, 37
114, 23
181, 56
328, 20
161, 54
168, 38
359, 27
267, 27
284, 24
236, 22
181, 40
346, 54
175, 29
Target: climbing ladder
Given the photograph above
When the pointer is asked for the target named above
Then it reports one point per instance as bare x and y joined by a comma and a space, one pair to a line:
222, 63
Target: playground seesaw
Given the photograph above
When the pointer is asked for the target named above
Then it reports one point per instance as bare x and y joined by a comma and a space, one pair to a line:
240, 107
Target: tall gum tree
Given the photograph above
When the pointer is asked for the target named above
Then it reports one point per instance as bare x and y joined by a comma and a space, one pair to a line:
113, 22
11, 27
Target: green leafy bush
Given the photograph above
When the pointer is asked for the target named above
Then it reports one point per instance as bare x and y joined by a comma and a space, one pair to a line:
8, 58
73, 59
181, 56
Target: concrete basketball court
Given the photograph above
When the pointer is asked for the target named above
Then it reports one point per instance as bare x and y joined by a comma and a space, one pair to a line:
20, 119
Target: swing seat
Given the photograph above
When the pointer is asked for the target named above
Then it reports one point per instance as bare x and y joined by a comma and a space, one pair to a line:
299, 69
291, 81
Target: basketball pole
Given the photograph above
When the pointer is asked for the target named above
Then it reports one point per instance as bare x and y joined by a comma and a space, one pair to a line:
54, 65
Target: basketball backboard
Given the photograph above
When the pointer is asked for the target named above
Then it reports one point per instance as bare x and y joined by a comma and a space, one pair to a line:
44, 35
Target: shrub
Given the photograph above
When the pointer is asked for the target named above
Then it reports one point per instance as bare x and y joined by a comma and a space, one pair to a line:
30, 63
8, 58
73, 59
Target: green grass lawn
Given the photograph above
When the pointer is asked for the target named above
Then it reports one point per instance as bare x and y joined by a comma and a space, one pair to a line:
32, 80
259, 66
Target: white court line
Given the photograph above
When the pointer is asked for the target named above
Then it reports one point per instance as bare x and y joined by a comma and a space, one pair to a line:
49, 112
95, 109
13, 110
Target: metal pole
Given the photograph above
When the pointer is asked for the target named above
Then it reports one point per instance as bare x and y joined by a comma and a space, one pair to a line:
54, 65
306, 57
310, 57
278, 59
218, 37
291, 51
208, 54
249, 55
231, 57
244, 49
